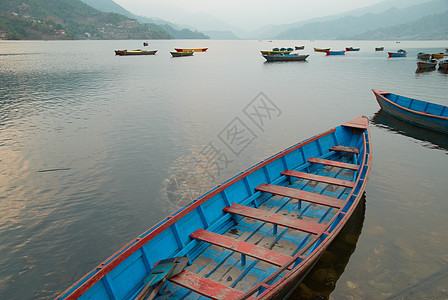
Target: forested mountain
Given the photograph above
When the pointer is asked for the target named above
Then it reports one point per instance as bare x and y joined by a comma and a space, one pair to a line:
176, 31
70, 19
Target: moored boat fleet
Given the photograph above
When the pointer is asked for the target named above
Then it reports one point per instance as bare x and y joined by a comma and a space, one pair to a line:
430, 61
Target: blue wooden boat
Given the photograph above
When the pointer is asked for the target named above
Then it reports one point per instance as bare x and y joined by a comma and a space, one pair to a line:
421, 113
351, 49
286, 57
331, 52
253, 237
399, 53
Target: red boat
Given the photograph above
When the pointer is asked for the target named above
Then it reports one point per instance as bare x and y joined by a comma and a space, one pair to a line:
188, 50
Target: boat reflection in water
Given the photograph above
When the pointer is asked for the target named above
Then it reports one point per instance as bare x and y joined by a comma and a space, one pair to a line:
429, 138
321, 280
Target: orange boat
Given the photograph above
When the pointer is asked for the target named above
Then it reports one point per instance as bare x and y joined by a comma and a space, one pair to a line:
188, 50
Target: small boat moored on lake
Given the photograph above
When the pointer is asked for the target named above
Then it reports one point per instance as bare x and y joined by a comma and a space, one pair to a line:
437, 55
321, 49
300, 47
443, 64
286, 57
421, 113
275, 52
351, 49
135, 52
179, 54
192, 49
427, 64
399, 53
264, 228
379, 48
330, 52
423, 56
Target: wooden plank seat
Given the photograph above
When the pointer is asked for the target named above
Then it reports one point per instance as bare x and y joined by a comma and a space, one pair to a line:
345, 149
274, 218
323, 179
301, 195
206, 287
333, 163
245, 248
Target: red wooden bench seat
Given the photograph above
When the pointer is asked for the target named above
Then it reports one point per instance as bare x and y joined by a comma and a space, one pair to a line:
333, 163
251, 250
345, 149
301, 195
323, 179
273, 218
206, 287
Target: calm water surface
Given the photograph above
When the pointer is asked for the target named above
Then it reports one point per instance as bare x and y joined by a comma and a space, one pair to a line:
95, 149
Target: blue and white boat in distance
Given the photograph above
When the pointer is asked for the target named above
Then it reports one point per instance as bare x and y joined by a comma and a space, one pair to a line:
254, 236
421, 113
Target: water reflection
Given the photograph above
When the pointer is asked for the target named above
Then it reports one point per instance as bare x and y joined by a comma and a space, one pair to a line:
321, 280
429, 138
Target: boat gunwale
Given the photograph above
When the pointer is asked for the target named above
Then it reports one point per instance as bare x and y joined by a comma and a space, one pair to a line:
96, 274
381, 94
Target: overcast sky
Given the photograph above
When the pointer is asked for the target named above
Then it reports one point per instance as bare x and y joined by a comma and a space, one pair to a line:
251, 14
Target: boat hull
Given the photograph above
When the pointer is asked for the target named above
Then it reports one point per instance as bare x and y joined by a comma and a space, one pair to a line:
135, 52
192, 49
421, 113
351, 49
443, 65
397, 54
321, 49
274, 52
437, 55
424, 56
180, 54
335, 52
427, 64
287, 57
379, 49
309, 190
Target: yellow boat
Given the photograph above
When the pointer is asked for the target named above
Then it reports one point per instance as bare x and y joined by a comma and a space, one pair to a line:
321, 49
437, 55
268, 52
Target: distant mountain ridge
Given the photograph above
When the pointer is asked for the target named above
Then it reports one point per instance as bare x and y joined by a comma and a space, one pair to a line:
348, 25
357, 21
434, 27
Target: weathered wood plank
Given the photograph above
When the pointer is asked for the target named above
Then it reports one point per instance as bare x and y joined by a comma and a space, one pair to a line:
206, 287
257, 252
323, 179
301, 195
345, 149
333, 163
273, 218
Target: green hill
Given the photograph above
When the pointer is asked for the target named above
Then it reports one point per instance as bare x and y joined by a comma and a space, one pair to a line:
69, 19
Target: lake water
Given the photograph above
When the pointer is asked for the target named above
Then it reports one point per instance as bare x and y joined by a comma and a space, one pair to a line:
96, 148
